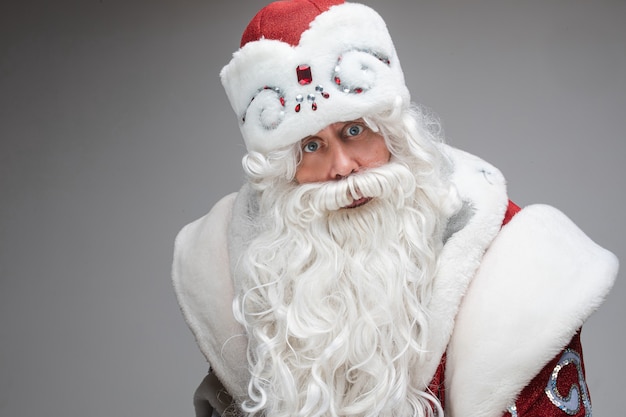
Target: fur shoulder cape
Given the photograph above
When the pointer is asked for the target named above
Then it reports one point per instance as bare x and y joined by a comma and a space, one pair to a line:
506, 299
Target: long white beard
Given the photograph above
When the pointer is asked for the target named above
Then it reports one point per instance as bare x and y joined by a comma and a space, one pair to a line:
334, 298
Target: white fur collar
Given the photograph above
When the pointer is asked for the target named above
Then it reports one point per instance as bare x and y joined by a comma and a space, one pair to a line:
482, 189
202, 283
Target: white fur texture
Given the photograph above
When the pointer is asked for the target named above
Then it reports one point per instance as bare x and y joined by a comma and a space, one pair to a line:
354, 32
538, 282
483, 188
205, 292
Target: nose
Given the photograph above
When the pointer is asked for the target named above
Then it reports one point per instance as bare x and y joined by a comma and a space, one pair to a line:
343, 162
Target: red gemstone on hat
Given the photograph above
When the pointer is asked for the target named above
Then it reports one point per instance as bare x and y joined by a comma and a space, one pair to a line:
297, 107
304, 74
282, 101
337, 80
325, 94
314, 106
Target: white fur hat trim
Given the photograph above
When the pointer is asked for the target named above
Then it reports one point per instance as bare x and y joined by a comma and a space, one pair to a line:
354, 72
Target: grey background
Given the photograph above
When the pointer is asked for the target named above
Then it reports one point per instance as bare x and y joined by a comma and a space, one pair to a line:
115, 132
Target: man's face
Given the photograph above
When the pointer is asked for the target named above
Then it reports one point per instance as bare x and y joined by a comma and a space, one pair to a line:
340, 149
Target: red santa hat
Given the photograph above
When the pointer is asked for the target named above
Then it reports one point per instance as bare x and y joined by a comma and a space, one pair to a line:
304, 64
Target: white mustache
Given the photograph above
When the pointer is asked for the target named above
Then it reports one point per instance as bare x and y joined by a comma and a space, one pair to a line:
314, 199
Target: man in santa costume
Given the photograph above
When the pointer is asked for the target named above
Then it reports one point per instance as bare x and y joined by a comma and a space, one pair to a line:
365, 268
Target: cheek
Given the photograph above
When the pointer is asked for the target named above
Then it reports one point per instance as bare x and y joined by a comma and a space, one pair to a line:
308, 170
378, 153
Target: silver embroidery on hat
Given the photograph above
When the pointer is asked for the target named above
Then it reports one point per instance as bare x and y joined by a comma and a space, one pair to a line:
355, 72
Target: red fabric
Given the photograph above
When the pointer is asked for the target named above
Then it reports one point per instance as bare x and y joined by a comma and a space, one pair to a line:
437, 387
285, 20
533, 400
511, 211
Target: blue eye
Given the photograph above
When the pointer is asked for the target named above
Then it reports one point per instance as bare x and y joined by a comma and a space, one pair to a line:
354, 130
311, 146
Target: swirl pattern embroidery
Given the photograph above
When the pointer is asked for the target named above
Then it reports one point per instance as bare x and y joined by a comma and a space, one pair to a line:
355, 72
570, 403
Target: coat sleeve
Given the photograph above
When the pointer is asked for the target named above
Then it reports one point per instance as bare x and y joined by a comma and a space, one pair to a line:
555, 389
202, 399
212, 400
538, 282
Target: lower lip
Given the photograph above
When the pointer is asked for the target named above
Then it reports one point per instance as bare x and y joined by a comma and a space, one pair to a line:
359, 202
